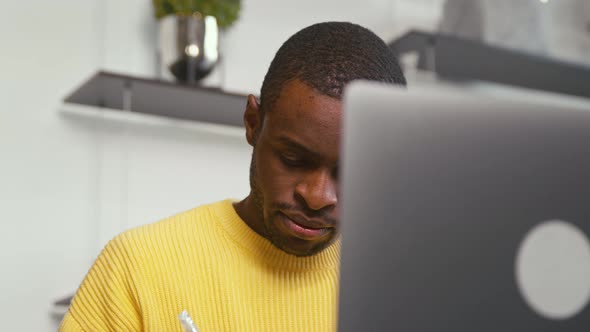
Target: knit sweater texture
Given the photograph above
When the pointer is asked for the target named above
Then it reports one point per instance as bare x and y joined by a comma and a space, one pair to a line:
208, 262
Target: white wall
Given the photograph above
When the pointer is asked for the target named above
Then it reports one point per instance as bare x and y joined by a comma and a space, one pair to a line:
47, 165
71, 179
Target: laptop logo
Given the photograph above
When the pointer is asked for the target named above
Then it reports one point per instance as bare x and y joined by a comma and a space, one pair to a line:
553, 269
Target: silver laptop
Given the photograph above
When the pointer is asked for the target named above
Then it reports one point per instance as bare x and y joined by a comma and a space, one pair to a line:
463, 213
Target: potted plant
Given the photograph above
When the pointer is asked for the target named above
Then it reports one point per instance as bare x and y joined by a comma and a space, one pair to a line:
188, 46
225, 11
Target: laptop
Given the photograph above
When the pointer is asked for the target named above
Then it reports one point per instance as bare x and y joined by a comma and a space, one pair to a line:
463, 213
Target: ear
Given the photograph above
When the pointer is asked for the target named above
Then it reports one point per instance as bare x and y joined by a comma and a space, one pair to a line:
252, 120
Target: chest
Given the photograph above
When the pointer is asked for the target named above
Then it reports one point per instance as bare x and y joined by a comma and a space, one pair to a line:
242, 297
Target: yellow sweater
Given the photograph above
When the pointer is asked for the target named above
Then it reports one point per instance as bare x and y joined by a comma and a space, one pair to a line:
209, 262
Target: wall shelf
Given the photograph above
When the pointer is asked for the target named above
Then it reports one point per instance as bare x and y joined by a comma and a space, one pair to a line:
161, 98
61, 306
135, 100
460, 59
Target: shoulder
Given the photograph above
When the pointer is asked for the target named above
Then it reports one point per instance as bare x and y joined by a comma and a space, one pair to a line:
198, 217
172, 233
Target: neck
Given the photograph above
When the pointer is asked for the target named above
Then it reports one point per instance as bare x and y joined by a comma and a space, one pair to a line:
250, 214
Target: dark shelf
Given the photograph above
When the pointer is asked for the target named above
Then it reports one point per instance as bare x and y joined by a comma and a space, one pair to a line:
162, 98
455, 58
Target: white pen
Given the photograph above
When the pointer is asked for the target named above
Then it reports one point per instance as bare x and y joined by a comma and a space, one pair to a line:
187, 322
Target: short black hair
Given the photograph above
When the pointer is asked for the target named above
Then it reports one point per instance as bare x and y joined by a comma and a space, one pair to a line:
327, 56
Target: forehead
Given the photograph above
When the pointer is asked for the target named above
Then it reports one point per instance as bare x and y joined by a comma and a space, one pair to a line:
302, 111
300, 104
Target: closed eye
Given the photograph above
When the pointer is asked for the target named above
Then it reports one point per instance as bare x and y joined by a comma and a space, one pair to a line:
292, 161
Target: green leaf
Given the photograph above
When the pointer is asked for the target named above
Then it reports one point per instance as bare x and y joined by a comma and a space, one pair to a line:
225, 11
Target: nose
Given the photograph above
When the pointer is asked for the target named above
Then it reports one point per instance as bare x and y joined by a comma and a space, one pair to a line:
318, 189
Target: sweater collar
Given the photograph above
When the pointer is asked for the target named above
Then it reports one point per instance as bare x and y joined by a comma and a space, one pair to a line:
263, 249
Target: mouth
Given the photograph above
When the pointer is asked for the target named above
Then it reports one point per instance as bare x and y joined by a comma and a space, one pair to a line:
304, 229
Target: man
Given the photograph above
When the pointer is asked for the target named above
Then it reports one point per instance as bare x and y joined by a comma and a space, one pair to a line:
270, 261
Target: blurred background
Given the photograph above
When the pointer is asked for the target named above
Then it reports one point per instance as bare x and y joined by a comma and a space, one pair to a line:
71, 177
